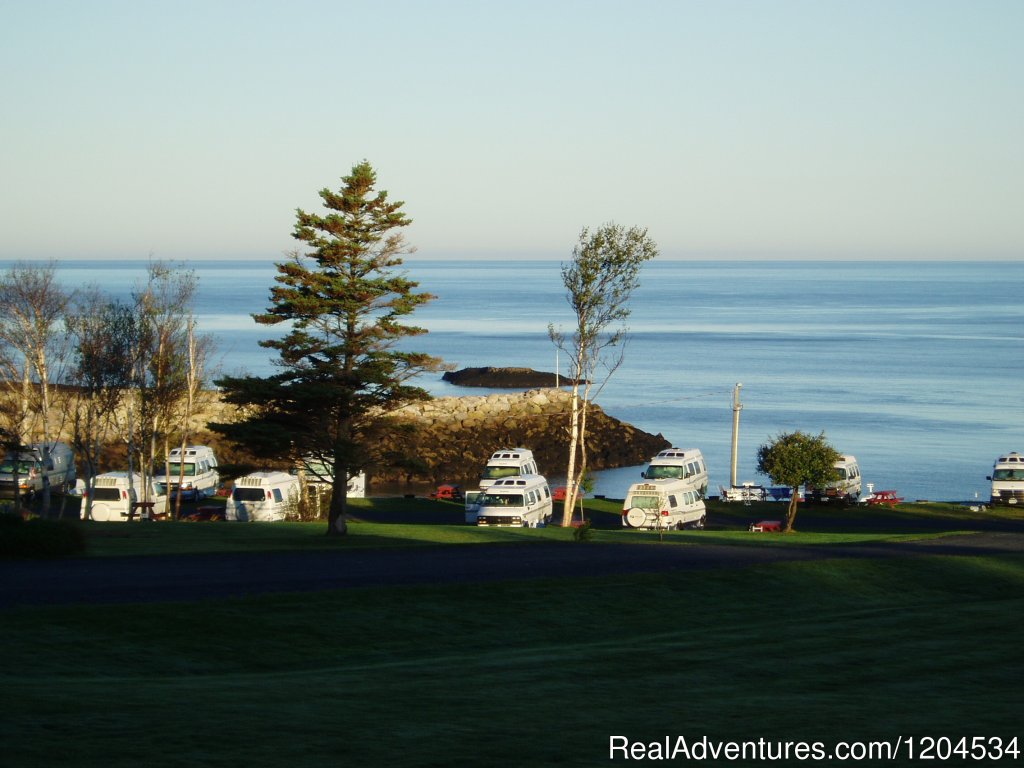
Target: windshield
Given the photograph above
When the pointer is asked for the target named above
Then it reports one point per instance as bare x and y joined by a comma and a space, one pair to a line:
496, 473
1008, 474
501, 500
7, 468
175, 468
658, 472
643, 502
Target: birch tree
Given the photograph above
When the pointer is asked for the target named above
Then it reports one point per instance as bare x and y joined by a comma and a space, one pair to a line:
599, 281
32, 313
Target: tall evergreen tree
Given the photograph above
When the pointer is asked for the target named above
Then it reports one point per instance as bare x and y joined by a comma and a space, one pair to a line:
341, 368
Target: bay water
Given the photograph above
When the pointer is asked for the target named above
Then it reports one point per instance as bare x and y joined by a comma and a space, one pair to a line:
913, 367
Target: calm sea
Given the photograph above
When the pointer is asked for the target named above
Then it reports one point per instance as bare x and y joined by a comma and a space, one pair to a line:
913, 367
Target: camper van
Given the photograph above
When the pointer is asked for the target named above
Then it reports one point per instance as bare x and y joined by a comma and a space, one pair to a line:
846, 488
52, 462
319, 474
472, 500
113, 494
263, 497
664, 503
508, 462
519, 502
679, 464
1008, 479
200, 477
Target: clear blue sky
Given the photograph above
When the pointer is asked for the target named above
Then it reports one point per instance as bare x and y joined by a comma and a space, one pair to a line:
193, 129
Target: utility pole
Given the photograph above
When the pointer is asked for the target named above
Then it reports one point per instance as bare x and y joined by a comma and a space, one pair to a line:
736, 408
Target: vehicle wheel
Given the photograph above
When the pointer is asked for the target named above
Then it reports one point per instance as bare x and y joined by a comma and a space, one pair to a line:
699, 525
680, 526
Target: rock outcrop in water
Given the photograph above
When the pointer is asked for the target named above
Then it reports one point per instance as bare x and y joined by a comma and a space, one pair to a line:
504, 378
452, 437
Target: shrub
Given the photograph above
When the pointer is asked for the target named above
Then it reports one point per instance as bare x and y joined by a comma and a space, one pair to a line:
36, 538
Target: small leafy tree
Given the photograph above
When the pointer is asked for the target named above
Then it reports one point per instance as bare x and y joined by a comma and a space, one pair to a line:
599, 282
342, 369
796, 459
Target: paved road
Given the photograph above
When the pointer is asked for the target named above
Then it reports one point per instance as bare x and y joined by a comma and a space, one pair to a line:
197, 577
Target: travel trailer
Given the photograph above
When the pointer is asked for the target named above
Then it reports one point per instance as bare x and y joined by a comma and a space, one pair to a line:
114, 493
263, 497
664, 503
35, 464
846, 488
508, 462
679, 464
1008, 479
200, 476
520, 502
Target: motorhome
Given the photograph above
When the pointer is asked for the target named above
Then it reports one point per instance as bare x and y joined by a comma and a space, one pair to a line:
263, 497
1008, 479
114, 493
508, 462
679, 464
520, 502
318, 473
667, 502
472, 499
846, 488
35, 465
197, 464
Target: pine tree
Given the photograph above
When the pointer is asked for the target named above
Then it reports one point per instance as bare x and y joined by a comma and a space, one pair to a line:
342, 370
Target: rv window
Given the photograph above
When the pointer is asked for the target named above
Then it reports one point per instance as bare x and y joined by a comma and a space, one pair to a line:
106, 494
644, 502
7, 468
672, 501
175, 469
247, 494
659, 472
501, 500
999, 474
277, 495
496, 473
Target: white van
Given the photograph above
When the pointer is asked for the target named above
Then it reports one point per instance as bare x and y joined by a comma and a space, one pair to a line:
846, 488
679, 464
201, 476
113, 494
508, 462
664, 503
263, 497
53, 461
519, 502
1008, 479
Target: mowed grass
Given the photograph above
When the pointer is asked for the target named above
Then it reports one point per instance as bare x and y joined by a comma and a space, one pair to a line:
400, 522
521, 673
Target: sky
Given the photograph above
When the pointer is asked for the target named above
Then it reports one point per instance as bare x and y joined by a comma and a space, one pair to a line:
729, 129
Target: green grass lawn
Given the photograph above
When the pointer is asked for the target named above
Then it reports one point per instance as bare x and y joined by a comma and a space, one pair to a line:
523, 673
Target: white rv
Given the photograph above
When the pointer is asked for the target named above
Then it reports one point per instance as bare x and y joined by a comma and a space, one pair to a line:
200, 472
508, 462
263, 497
519, 502
679, 464
664, 503
320, 474
30, 467
472, 499
113, 494
846, 488
1008, 479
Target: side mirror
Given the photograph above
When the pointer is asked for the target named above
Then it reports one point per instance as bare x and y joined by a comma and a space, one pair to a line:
987, 477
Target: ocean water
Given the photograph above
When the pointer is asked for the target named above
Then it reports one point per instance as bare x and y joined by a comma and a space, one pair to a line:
915, 368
